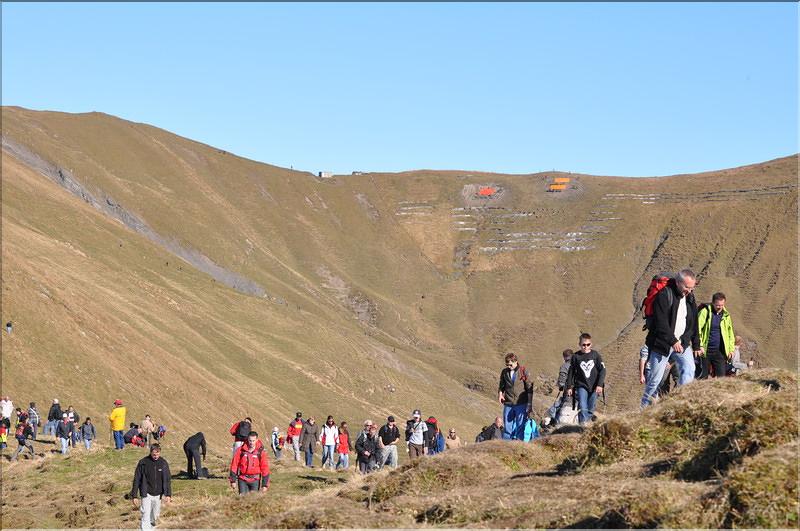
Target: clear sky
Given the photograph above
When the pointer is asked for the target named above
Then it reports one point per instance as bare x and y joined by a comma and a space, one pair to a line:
611, 89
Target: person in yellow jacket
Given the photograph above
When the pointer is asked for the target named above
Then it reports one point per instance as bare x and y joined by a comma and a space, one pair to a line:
117, 418
716, 336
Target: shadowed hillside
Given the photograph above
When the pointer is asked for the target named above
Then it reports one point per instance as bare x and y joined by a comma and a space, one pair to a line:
199, 286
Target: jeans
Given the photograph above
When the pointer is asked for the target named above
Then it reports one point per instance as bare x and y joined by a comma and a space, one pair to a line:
344, 462
64, 445
278, 453
586, 403
514, 421
50, 427
327, 455
27, 444
309, 456
388, 456
87, 443
245, 487
34, 427
686, 365
150, 509
119, 439
296, 447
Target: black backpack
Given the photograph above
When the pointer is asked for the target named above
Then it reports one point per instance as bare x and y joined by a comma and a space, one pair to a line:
243, 430
482, 435
409, 429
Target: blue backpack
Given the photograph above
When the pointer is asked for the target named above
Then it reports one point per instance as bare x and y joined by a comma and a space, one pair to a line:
531, 431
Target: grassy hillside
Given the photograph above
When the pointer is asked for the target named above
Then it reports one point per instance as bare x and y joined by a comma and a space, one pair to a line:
727, 462
199, 286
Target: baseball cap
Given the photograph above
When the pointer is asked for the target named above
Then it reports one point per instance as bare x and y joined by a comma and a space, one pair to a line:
117, 402
416, 413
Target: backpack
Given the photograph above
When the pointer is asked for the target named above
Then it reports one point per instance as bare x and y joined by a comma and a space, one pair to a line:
243, 430
658, 283
409, 429
482, 435
20, 433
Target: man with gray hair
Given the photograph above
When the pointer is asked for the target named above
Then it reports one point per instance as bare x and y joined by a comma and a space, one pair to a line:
672, 328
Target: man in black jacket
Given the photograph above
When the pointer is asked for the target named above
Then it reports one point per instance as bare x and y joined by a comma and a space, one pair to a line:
151, 481
192, 448
672, 329
586, 377
53, 418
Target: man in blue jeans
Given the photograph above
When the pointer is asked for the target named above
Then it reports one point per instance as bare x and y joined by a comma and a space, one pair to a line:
515, 392
672, 329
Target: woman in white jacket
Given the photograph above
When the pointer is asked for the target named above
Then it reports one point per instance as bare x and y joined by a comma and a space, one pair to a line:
329, 440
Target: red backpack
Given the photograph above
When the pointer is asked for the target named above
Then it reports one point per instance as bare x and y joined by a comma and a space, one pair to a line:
658, 283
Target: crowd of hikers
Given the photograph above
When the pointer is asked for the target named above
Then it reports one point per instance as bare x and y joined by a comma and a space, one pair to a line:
684, 341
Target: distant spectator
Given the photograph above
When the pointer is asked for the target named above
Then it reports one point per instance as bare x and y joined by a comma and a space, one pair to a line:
148, 429
117, 420
344, 448
239, 430
737, 365
552, 414
22, 434
309, 439
194, 447
88, 433
515, 393
367, 449
415, 435
34, 418
389, 435
434, 435
329, 440
492, 431
53, 418
276, 443
134, 436
75, 419
152, 482
293, 434
64, 431
9, 327
452, 440
6, 410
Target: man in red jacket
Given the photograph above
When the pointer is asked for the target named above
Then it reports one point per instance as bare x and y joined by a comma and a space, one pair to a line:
293, 434
250, 466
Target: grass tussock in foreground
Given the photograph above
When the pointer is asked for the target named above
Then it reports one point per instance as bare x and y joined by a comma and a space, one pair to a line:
720, 453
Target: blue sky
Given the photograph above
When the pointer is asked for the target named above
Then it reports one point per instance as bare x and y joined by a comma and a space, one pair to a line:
610, 89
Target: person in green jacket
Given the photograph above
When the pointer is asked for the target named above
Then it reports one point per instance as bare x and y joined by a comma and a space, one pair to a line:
716, 336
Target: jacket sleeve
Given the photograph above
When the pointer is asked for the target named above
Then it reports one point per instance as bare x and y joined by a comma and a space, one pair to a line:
662, 309
234, 428
166, 480
563, 371
234, 471
703, 314
137, 481
695, 337
203, 446
500, 386
529, 388
94, 432
601, 372
360, 444
264, 468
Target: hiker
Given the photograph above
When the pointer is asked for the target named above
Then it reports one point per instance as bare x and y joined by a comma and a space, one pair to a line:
6, 410
240, 431
9, 327
152, 482
492, 431
64, 431
737, 365
117, 420
22, 434
389, 436
551, 416
74, 418
3, 437
415, 435
276, 443
672, 328
53, 418
367, 450
717, 340
250, 466
148, 428
586, 377
88, 433
309, 439
34, 419
329, 439
293, 434
134, 436
515, 393
434, 435
452, 440
192, 447
344, 447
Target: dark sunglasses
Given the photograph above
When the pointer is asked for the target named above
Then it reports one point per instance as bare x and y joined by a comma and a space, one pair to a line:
586, 344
